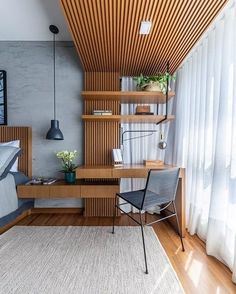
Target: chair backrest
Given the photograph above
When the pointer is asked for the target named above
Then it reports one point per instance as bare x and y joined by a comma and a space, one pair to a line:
162, 184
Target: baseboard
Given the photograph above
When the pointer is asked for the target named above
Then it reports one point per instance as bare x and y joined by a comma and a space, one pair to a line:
13, 223
58, 210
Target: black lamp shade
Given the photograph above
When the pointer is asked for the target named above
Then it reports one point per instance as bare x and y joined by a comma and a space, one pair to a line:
54, 132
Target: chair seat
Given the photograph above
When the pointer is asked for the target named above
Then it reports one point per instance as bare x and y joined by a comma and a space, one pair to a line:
135, 198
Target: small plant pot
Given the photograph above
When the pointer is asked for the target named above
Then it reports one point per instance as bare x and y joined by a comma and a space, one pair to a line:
152, 86
70, 177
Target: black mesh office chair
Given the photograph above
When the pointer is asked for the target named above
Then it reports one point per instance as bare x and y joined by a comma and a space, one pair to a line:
161, 187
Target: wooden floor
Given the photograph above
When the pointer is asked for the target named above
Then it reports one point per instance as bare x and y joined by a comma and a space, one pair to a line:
197, 272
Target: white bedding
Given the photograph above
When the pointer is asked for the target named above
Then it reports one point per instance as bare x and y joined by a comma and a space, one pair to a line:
8, 196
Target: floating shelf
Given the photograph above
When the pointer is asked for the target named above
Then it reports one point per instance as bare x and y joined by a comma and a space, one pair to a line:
145, 118
128, 118
128, 96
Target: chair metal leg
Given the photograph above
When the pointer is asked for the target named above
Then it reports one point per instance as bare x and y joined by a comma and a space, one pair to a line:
177, 219
144, 249
114, 215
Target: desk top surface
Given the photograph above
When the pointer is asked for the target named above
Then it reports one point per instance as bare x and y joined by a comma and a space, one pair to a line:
124, 171
126, 166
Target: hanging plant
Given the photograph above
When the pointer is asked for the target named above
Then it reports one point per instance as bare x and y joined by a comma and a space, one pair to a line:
153, 83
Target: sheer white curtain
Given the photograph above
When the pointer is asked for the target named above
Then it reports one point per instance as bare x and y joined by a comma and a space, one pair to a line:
135, 150
203, 136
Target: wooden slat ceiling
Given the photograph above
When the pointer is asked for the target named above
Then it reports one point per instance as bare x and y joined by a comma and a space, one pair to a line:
106, 32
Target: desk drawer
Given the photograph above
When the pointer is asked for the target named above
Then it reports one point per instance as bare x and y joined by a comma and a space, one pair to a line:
33, 191
65, 191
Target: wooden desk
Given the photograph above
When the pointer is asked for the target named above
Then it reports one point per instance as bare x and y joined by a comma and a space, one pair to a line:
111, 172
135, 171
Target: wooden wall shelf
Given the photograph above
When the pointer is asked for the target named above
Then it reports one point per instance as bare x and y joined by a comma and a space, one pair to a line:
88, 117
102, 134
127, 96
60, 189
128, 118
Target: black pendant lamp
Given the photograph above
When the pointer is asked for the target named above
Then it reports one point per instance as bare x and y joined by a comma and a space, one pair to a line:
54, 132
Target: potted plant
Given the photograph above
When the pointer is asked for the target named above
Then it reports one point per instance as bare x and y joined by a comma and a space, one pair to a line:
68, 167
153, 83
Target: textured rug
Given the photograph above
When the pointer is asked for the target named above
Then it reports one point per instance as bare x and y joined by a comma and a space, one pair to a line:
83, 260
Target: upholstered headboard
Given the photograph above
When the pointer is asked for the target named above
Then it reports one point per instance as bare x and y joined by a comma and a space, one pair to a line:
24, 134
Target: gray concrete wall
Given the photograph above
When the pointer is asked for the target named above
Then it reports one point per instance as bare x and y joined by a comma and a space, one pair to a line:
29, 67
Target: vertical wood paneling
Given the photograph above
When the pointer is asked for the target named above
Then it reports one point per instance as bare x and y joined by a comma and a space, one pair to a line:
100, 137
100, 207
102, 81
106, 32
24, 134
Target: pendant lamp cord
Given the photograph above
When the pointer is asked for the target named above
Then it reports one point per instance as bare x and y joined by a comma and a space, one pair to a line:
54, 74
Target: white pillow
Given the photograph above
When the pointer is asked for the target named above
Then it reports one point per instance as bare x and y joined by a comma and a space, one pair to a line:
8, 155
15, 143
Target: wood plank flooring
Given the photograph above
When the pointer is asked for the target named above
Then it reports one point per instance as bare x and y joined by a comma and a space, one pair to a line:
197, 272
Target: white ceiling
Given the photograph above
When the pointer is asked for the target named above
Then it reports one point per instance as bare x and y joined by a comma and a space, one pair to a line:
28, 20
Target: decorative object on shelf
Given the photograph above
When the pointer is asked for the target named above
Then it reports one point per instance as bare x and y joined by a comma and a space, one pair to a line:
153, 83
3, 97
68, 167
162, 144
117, 157
70, 177
143, 110
54, 132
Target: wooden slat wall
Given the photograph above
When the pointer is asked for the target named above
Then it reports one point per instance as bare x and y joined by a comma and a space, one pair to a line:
106, 32
99, 207
102, 81
100, 137
24, 134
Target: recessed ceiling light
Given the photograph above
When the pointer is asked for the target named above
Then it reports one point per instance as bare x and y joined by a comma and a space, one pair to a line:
145, 27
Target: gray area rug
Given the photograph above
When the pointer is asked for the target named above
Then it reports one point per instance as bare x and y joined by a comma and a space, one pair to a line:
83, 260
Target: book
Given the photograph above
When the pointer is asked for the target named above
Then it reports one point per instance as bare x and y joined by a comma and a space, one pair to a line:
41, 181
144, 113
102, 112
49, 181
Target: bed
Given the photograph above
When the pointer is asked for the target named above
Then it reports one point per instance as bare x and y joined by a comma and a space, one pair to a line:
12, 208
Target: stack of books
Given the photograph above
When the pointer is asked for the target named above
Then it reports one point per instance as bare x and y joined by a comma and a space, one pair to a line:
41, 181
102, 112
